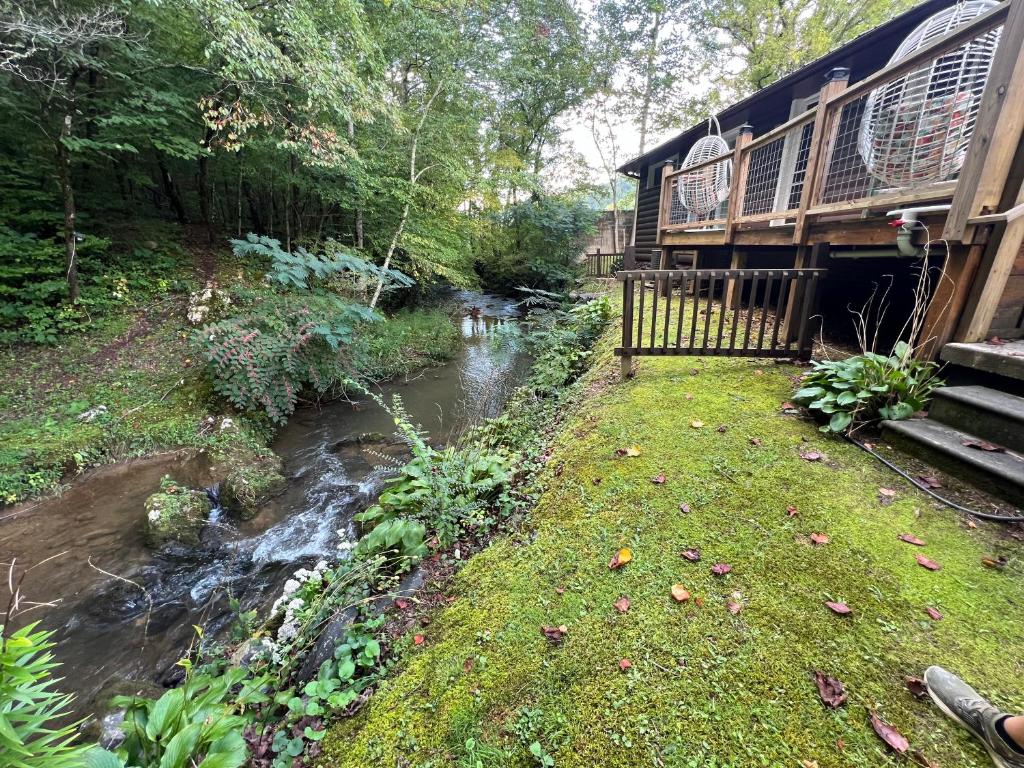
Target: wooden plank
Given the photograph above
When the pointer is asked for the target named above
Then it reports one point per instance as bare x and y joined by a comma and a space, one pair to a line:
707, 311
774, 133
739, 260
948, 299
941, 191
764, 308
995, 218
751, 303
650, 274
826, 124
997, 132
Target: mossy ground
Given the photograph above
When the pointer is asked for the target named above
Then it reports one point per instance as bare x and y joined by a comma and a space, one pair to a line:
706, 687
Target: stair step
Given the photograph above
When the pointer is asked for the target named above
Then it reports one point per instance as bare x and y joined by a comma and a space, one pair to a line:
1001, 359
988, 413
1001, 474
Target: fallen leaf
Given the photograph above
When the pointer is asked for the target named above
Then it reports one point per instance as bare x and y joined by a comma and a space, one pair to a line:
467, 665
720, 569
841, 608
699, 602
684, 508
418, 639
554, 634
560, 590
722, 429
621, 557
791, 511
916, 686
918, 757
755, 441
788, 407
934, 613
810, 455
631, 450
929, 481
693, 555
659, 479
694, 371
820, 538
983, 445
924, 562
831, 691
808, 764
596, 481
689, 396
734, 606
888, 734
680, 593
909, 539
996, 341
625, 664
991, 561
622, 604
696, 423
971, 524
401, 603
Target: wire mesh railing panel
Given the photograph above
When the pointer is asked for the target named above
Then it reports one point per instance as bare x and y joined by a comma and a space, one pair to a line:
763, 174
846, 175
710, 210
803, 154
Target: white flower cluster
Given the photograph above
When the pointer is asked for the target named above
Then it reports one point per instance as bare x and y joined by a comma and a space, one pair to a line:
291, 605
201, 302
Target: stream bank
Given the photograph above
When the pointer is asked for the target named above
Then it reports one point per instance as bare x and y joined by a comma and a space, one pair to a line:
123, 632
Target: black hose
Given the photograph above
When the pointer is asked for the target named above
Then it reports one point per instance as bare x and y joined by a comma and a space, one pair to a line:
933, 494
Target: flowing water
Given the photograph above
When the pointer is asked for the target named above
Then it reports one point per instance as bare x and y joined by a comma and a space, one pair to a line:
124, 612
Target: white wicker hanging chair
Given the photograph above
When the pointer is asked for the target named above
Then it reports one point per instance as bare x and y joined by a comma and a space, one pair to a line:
917, 128
703, 190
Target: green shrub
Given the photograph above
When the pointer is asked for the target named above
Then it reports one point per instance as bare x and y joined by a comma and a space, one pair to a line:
867, 387
409, 339
31, 711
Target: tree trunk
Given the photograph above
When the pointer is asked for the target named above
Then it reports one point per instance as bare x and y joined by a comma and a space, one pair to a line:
359, 207
171, 192
650, 69
254, 209
68, 195
204, 188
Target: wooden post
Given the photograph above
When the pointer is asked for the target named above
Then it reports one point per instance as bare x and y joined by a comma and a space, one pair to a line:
806, 258
739, 261
667, 262
738, 185
946, 305
665, 202
822, 138
997, 133
996, 265
626, 361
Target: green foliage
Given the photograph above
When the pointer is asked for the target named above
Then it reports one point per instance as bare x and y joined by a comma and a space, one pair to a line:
403, 342
867, 387
199, 723
536, 244
31, 710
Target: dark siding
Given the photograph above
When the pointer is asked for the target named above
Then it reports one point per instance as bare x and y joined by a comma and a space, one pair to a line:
647, 216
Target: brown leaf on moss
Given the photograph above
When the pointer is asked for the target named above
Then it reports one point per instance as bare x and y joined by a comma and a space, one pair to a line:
631, 451
684, 508
916, 686
830, 690
841, 608
401, 603
929, 481
755, 441
971, 524
554, 634
693, 555
722, 429
734, 606
418, 639
992, 561
791, 511
696, 423
467, 665
720, 569
625, 664
931, 565
909, 539
560, 590
622, 604
896, 740
680, 593
811, 455
820, 538
596, 481
659, 479
886, 496
933, 613
699, 602
919, 757
689, 396
620, 558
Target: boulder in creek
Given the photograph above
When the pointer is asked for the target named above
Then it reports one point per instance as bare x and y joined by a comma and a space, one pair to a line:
176, 513
250, 479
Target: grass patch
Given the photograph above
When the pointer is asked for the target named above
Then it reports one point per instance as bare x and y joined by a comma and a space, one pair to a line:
404, 342
706, 687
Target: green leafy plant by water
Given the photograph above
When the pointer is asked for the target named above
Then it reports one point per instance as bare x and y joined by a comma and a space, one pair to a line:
868, 387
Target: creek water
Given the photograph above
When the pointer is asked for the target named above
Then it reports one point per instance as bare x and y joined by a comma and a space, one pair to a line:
124, 613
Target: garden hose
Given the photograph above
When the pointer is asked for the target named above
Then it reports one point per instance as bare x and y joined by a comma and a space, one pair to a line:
933, 494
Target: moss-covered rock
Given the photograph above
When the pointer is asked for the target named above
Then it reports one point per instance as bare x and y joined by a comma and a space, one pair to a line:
176, 513
249, 479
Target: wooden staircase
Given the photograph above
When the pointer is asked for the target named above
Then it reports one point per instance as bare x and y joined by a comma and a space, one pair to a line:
974, 429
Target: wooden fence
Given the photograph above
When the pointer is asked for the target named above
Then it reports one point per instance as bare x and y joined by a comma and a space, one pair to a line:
741, 312
601, 264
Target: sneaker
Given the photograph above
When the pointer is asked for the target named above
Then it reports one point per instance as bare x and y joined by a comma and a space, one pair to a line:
962, 703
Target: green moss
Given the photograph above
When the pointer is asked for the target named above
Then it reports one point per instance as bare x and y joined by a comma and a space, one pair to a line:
403, 343
175, 513
249, 478
706, 687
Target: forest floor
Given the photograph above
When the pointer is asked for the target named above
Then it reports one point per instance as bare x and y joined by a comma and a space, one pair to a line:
137, 364
700, 455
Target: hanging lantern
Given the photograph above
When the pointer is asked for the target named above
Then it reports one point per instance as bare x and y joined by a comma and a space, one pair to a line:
917, 128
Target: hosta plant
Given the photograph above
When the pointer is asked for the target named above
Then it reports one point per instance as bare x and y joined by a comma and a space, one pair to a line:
868, 387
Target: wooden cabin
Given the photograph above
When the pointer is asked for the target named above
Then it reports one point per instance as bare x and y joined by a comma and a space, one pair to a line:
801, 191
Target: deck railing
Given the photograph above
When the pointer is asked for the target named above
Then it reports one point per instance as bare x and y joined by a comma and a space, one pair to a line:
812, 166
600, 264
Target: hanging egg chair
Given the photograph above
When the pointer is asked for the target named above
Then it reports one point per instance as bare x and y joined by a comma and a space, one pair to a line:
916, 129
702, 191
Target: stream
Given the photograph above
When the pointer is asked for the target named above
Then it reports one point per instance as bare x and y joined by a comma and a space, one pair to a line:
124, 613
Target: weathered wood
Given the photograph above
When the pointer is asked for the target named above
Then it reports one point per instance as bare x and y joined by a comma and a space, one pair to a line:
826, 124
738, 184
739, 261
940, 191
949, 298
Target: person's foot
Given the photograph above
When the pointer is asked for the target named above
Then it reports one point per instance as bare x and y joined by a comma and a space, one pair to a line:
962, 703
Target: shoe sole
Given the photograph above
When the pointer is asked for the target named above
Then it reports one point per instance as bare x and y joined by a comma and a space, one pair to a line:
996, 758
